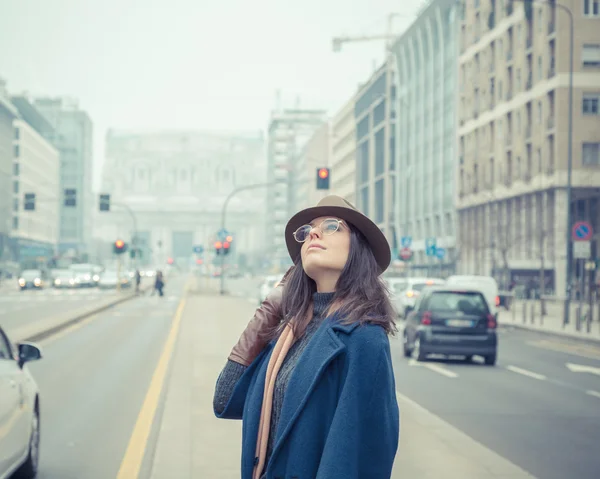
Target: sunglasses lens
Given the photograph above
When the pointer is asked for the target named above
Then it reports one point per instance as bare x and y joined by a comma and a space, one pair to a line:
302, 233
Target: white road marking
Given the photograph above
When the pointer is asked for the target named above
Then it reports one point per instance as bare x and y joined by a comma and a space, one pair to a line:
433, 367
582, 368
525, 372
593, 393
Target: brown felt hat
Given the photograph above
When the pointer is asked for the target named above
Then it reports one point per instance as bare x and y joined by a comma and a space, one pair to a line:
338, 207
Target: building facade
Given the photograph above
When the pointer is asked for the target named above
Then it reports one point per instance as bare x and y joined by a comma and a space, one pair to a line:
374, 115
425, 57
343, 152
168, 190
72, 136
289, 131
36, 170
514, 138
313, 156
7, 114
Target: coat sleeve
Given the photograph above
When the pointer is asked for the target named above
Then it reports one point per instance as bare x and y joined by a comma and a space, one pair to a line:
364, 434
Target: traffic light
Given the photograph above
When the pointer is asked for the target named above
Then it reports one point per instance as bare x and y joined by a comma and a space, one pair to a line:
170, 260
119, 247
322, 178
104, 202
70, 197
218, 247
226, 247
29, 204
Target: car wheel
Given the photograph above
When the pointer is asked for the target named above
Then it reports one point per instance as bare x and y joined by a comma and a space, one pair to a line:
416, 352
29, 468
490, 360
407, 350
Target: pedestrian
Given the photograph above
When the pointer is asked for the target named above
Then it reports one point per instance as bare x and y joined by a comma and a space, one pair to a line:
159, 283
138, 280
311, 375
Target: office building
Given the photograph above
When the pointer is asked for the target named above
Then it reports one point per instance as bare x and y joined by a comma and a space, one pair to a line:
343, 152
514, 138
312, 157
425, 58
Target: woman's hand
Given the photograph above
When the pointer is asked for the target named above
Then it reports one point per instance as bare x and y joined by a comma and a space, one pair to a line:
267, 317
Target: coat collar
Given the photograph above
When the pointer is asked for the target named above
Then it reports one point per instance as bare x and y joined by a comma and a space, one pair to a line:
323, 348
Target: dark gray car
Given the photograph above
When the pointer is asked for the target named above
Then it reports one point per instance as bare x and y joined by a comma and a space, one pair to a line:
450, 322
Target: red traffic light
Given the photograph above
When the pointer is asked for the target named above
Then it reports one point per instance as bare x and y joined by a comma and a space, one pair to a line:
218, 245
119, 244
170, 260
323, 173
226, 245
199, 261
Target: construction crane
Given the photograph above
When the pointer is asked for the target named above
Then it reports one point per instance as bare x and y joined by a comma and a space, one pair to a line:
337, 42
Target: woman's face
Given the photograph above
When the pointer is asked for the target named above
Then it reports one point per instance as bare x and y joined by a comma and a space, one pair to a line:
325, 251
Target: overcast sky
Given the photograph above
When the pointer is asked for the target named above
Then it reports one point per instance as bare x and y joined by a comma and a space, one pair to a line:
190, 63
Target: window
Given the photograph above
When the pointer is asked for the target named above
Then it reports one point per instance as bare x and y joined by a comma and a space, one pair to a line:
16, 169
591, 104
590, 154
15, 186
17, 133
539, 112
590, 56
591, 8
15, 224
17, 151
539, 68
5, 349
16, 204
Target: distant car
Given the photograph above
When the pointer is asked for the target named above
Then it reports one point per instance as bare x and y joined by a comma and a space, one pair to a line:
31, 279
485, 284
110, 279
64, 279
451, 321
269, 284
19, 410
405, 300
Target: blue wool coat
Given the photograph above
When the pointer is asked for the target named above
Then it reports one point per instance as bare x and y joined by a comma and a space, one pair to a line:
339, 418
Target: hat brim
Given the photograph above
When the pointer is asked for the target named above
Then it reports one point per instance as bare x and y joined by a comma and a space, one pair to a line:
375, 237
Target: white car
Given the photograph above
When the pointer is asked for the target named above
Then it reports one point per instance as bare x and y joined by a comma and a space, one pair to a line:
110, 279
269, 284
19, 410
405, 300
484, 284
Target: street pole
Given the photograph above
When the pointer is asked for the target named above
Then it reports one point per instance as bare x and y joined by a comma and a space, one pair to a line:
135, 229
223, 217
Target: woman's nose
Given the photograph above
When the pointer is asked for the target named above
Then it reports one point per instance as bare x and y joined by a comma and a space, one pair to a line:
315, 232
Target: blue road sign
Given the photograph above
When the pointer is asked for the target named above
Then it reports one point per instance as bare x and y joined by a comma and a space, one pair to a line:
430, 246
440, 253
222, 233
406, 241
199, 249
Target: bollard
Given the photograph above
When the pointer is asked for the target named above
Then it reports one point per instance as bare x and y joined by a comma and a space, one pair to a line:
513, 310
532, 304
524, 312
578, 318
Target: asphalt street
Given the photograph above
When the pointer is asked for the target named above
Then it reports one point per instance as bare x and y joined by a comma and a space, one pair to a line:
21, 308
93, 380
539, 407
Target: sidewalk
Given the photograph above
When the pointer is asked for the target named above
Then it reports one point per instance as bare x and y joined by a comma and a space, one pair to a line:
525, 314
192, 443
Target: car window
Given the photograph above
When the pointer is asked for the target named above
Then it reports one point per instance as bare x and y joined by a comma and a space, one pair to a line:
398, 286
466, 302
5, 348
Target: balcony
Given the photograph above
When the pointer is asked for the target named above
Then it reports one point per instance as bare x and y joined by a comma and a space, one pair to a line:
550, 123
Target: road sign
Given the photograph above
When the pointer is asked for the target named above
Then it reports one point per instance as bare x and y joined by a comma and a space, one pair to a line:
582, 231
222, 233
199, 249
440, 253
406, 254
406, 241
582, 249
430, 246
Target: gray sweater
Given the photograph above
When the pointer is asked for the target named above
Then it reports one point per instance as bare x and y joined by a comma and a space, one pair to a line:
233, 371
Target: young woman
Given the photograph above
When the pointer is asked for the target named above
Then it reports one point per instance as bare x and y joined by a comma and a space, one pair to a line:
312, 376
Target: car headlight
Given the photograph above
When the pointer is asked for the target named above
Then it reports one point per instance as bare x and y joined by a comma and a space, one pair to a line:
21, 281
87, 277
71, 281
96, 277
37, 281
57, 281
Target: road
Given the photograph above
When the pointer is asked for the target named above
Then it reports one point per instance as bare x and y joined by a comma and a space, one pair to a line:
20, 308
531, 408
93, 380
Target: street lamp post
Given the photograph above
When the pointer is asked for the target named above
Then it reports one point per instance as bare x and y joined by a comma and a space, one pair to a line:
567, 10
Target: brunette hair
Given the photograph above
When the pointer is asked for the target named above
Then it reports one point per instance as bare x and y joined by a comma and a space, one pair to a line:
360, 294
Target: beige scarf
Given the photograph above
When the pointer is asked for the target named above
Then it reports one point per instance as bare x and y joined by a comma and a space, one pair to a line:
283, 345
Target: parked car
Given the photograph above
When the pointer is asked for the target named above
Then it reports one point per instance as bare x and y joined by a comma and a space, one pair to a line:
405, 300
32, 279
451, 321
486, 284
19, 410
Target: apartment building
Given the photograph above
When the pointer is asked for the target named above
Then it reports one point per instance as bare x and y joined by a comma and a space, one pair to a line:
343, 152
514, 137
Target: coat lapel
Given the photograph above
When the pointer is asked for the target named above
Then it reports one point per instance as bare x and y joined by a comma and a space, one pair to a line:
321, 350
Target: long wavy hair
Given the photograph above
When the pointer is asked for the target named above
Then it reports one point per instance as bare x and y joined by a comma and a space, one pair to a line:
360, 294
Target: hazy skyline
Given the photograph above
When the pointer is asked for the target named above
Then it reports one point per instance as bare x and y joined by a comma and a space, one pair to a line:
155, 64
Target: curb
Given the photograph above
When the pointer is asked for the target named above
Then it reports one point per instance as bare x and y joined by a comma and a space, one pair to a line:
40, 335
556, 334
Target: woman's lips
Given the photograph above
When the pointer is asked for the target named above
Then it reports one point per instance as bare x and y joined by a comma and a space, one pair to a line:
317, 246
